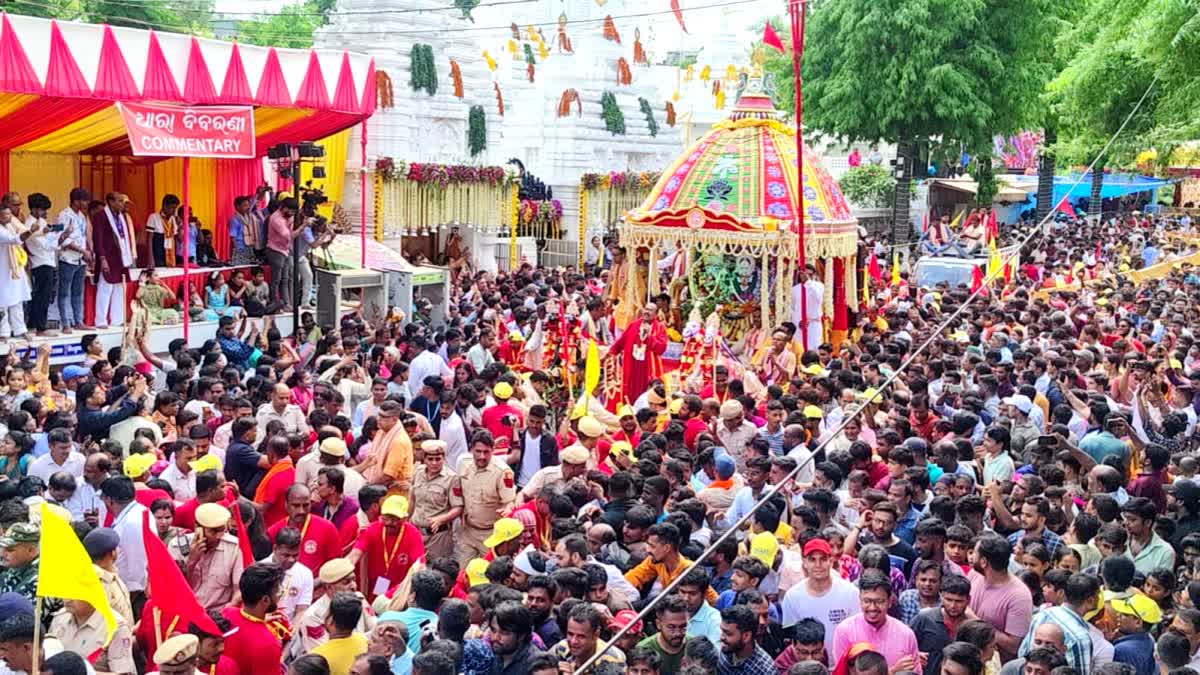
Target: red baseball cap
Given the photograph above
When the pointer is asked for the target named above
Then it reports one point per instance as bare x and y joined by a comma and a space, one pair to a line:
817, 546
624, 618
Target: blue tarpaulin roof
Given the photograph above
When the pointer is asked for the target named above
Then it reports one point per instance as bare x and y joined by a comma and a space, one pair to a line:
1115, 185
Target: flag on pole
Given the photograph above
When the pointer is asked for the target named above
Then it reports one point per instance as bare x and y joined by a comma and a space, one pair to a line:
895, 268
993, 230
957, 220
976, 278
65, 569
866, 284
994, 261
770, 39
173, 596
873, 267
242, 536
591, 369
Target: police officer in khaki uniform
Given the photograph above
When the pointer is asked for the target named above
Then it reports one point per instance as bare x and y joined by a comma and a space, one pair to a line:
177, 655
336, 576
574, 462
488, 492
82, 630
438, 501
101, 545
211, 558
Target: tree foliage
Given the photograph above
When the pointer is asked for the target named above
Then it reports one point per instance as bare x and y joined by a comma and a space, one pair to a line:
293, 26
868, 185
954, 70
176, 16
1112, 54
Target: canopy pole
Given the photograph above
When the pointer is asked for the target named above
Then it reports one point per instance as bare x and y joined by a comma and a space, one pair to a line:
796, 10
362, 189
187, 230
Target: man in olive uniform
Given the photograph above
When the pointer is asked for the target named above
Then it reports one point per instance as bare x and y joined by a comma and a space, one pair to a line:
488, 492
211, 558
82, 630
19, 548
437, 496
336, 576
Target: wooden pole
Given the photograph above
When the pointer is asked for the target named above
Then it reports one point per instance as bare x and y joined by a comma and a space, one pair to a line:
796, 11
362, 183
36, 653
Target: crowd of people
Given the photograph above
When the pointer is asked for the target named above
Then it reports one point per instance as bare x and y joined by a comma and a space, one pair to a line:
396, 498
50, 257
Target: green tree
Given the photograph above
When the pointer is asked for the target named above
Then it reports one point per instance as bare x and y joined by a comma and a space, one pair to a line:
293, 26
953, 72
177, 16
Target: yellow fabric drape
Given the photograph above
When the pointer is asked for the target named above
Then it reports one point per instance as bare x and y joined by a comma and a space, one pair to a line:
335, 170
99, 127
168, 179
50, 174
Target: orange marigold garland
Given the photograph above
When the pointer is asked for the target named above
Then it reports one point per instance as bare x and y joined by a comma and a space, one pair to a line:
529, 71
456, 78
384, 96
639, 53
610, 30
499, 99
568, 97
670, 114
624, 75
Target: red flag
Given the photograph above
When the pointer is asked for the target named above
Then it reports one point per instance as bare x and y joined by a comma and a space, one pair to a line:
770, 39
873, 267
976, 278
1008, 273
172, 594
243, 537
679, 15
1065, 207
993, 230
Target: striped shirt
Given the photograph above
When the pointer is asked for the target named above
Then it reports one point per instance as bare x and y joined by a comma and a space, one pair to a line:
1075, 633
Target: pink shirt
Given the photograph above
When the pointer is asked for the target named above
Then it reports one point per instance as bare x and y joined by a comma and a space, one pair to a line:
1008, 607
893, 639
279, 233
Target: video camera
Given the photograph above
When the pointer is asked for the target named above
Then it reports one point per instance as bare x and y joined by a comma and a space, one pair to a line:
310, 199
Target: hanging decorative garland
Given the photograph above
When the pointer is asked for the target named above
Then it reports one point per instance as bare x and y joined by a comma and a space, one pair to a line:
670, 114
385, 97
568, 97
499, 99
465, 6
476, 130
529, 58
624, 75
456, 78
639, 53
614, 119
649, 113
564, 42
529, 70
423, 74
491, 63
610, 30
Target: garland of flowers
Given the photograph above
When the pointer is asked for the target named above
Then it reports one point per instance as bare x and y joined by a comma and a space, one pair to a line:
614, 119
529, 57
422, 72
444, 175
456, 78
649, 113
624, 75
583, 207
499, 99
465, 6
540, 218
619, 181
670, 114
476, 130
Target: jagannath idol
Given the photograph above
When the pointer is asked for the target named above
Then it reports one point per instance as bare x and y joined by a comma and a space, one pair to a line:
721, 223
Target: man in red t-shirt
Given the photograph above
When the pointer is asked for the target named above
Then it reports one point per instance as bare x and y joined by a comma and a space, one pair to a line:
318, 537
210, 488
693, 423
391, 545
493, 418
253, 643
281, 476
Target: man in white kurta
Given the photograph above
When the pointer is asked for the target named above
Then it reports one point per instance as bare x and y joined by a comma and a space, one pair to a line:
14, 284
812, 292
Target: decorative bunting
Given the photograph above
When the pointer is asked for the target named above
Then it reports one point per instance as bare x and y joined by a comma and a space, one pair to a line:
343, 93
115, 82
529, 70
543, 50
491, 63
675, 9
705, 72
272, 88
610, 30
236, 87
499, 99
639, 54
670, 114
313, 93
564, 42
516, 32
63, 77
385, 95
512, 48
456, 78
689, 73
197, 82
158, 83
16, 72
568, 97
730, 73
624, 75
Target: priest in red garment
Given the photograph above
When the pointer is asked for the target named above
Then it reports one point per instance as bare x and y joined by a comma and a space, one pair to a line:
641, 347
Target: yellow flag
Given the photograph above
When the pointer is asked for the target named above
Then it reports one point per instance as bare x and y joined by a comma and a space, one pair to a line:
591, 368
957, 219
895, 268
491, 63
994, 263
866, 288
65, 569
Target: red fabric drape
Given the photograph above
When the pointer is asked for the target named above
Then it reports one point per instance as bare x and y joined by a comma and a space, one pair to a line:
839, 294
5, 174
235, 177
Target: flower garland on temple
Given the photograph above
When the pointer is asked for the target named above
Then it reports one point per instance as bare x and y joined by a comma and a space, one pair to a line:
649, 113
418, 198
614, 119
422, 72
605, 197
476, 130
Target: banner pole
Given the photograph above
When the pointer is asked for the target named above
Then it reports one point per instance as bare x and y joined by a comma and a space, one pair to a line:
362, 189
187, 230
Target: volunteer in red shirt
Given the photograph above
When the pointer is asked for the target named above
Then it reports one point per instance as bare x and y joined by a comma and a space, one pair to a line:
693, 423
391, 545
137, 467
493, 418
319, 541
255, 641
271, 489
629, 431
210, 487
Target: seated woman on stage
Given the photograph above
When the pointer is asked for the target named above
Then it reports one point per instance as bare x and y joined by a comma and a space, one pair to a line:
217, 301
237, 288
156, 299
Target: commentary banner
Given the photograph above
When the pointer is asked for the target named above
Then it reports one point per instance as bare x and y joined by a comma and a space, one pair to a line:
158, 130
